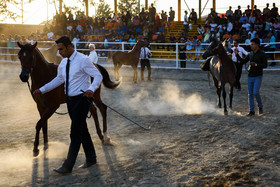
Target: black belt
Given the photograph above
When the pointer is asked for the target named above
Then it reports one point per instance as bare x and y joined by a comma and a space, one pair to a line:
74, 97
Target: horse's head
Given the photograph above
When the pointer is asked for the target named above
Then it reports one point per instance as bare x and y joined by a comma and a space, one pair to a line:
142, 43
209, 51
219, 49
26, 56
227, 45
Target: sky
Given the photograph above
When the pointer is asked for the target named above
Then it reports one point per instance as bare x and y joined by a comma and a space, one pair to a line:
39, 11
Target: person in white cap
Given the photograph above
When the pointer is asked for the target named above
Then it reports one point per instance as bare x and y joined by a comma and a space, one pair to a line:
93, 55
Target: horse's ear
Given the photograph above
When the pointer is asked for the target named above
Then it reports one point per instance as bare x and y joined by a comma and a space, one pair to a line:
34, 45
19, 44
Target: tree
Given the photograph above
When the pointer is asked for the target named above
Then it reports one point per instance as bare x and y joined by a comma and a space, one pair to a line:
103, 10
130, 6
5, 11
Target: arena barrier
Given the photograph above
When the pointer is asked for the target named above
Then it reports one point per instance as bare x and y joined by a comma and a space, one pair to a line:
9, 54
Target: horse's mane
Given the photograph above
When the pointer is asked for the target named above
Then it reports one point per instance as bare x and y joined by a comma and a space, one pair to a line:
42, 56
134, 47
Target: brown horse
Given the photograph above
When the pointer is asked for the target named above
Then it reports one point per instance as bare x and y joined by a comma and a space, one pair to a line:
41, 72
127, 58
223, 71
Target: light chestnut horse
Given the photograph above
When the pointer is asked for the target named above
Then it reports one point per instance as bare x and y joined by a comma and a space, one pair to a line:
222, 70
127, 58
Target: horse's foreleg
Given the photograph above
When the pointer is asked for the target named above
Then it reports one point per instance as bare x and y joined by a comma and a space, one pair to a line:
230, 96
36, 142
96, 121
225, 101
135, 74
115, 72
45, 135
42, 123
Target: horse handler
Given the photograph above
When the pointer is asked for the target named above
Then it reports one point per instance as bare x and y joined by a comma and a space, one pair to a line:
241, 51
258, 61
145, 62
75, 71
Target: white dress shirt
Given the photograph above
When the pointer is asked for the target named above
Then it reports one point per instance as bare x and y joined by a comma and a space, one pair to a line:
241, 52
145, 53
80, 71
93, 57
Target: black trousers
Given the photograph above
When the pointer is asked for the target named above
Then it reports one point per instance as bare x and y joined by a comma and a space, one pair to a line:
78, 108
183, 63
145, 63
238, 74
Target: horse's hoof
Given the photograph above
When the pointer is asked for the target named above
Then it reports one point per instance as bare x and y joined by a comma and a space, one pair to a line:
36, 152
107, 141
46, 146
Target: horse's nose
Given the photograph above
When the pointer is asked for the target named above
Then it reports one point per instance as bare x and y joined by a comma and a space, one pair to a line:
24, 76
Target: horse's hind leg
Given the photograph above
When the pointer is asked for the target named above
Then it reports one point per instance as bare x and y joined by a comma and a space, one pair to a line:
103, 109
218, 90
95, 117
230, 96
225, 101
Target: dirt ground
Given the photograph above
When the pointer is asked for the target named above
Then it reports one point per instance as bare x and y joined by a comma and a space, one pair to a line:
191, 142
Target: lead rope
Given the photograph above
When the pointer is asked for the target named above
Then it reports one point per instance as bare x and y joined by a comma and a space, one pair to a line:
45, 102
149, 128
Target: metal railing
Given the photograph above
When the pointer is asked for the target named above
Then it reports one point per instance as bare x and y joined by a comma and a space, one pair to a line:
102, 48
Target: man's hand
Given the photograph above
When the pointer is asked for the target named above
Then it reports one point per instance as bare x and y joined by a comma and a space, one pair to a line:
88, 94
253, 64
37, 92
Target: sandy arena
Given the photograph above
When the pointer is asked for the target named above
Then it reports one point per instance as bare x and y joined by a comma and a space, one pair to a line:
191, 142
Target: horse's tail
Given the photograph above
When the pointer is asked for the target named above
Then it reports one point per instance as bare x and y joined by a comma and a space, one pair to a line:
106, 78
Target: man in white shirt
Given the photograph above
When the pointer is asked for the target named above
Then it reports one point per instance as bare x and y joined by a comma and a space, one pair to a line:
241, 51
75, 72
186, 23
246, 25
229, 26
144, 60
93, 55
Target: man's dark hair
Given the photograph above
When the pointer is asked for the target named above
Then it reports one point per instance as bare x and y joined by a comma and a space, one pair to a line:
64, 40
256, 41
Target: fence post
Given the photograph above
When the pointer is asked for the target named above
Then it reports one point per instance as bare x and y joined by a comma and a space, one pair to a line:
122, 46
75, 46
177, 61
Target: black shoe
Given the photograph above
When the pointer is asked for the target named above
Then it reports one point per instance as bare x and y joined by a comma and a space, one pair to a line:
251, 113
87, 164
260, 111
63, 170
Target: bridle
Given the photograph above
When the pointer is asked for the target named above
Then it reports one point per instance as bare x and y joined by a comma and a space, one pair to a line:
29, 71
32, 59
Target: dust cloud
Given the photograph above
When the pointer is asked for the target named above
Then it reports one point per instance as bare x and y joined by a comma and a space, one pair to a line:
169, 100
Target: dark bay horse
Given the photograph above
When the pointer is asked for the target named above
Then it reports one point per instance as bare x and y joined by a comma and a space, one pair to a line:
41, 72
222, 70
127, 58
